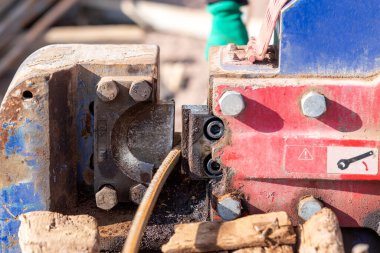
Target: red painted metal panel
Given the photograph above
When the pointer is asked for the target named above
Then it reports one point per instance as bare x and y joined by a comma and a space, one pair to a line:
278, 155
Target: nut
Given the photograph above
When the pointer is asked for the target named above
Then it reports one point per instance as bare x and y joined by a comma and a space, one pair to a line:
107, 89
231, 103
140, 91
137, 193
106, 198
313, 104
308, 206
229, 207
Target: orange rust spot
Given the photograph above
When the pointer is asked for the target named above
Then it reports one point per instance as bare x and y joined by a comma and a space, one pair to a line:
86, 131
88, 176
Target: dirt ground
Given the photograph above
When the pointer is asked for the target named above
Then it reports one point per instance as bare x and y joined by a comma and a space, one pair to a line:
180, 201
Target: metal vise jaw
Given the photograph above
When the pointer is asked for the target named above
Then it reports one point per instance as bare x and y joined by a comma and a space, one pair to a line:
79, 117
133, 133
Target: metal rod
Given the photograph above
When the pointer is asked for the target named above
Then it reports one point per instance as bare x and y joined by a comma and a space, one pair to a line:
149, 200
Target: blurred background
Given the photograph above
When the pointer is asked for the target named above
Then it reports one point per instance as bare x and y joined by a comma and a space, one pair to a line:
179, 27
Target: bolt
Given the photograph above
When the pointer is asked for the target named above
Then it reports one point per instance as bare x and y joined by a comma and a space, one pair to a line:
107, 89
140, 91
313, 104
229, 207
231, 103
106, 198
360, 248
214, 129
137, 193
213, 168
308, 206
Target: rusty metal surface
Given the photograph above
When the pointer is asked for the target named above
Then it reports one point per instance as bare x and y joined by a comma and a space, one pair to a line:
196, 147
131, 137
46, 125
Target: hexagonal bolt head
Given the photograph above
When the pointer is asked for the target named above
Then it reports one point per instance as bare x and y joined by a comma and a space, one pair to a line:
360, 248
231, 103
313, 104
229, 208
137, 193
107, 89
308, 206
140, 91
106, 198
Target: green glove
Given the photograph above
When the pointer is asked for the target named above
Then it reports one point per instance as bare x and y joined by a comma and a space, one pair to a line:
227, 26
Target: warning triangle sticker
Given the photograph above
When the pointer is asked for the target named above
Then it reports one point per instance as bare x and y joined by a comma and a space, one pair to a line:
305, 155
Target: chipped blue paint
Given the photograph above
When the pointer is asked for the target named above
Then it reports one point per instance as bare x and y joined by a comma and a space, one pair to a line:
15, 200
20, 197
15, 143
324, 37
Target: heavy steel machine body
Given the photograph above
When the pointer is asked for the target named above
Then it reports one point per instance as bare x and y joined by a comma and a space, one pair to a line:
302, 122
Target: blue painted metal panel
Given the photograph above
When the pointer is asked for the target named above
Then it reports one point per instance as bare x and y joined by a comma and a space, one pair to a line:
325, 37
22, 196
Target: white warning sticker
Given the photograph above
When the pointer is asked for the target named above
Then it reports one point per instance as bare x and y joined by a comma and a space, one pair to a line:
352, 160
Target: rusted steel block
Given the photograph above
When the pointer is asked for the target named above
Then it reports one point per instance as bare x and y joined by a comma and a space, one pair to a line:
47, 127
199, 130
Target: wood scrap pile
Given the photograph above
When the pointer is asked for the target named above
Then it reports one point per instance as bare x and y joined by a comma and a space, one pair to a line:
263, 233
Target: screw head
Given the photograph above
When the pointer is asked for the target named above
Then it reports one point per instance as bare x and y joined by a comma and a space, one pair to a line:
229, 208
106, 198
214, 129
107, 89
231, 103
308, 206
313, 104
140, 91
137, 192
213, 168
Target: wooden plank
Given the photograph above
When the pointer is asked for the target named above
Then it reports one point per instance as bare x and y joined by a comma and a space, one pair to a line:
95, 34
169, 18
321, 233
250, 231
278, 249
49, 232
160, 16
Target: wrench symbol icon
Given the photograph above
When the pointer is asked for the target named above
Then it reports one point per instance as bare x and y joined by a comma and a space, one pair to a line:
345, 163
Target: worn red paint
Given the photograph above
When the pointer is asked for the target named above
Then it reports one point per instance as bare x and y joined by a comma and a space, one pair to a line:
278, 155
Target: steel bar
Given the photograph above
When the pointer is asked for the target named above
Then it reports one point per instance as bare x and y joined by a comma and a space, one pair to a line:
149, 200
